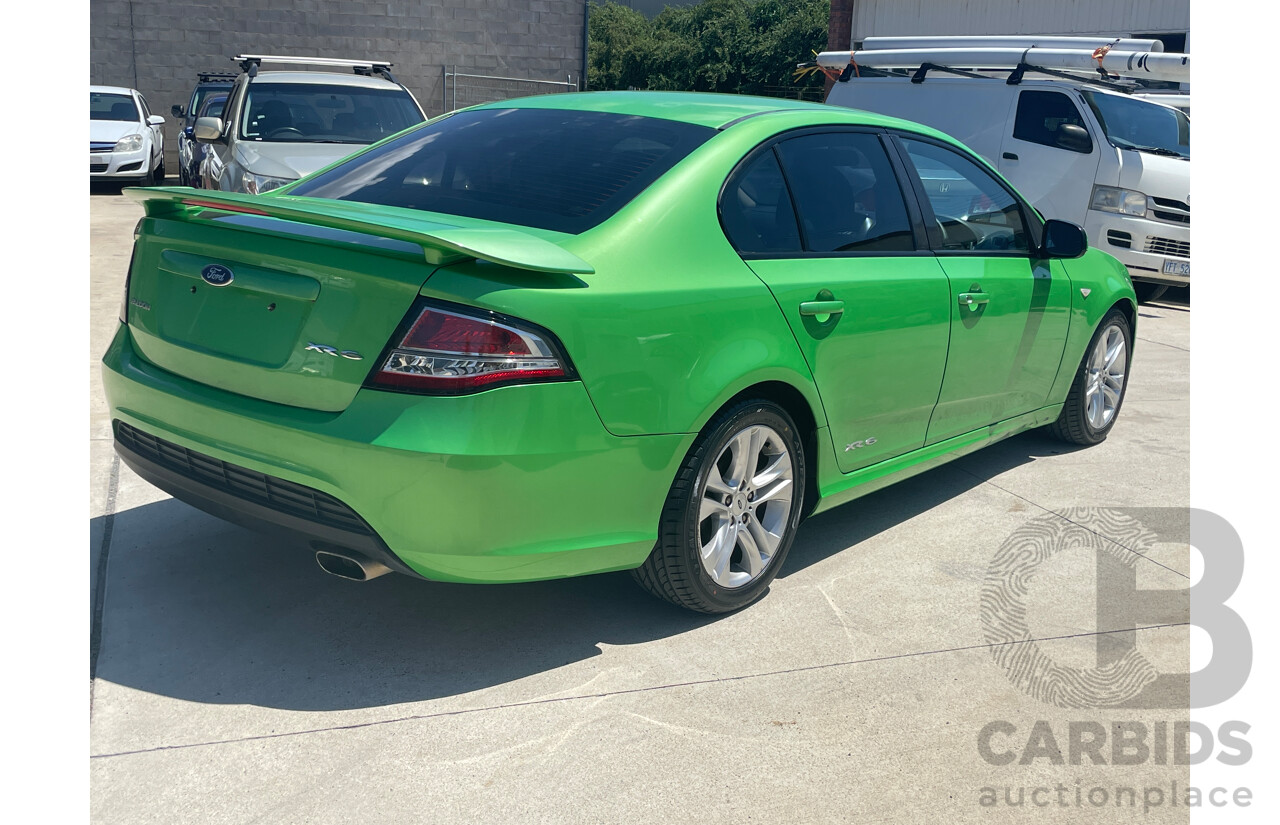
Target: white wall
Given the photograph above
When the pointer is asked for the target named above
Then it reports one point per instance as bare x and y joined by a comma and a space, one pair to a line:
939, 17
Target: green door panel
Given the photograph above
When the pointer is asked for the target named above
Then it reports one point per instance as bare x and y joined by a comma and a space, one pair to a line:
878, 363
1009, 318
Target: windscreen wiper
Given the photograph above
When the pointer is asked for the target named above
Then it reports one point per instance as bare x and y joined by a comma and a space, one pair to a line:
1158, 150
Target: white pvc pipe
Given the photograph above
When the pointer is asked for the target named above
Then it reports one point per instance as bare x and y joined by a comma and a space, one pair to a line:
1022, 41
1151, 65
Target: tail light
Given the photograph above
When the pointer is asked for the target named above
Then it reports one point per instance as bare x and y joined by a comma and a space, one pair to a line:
128, 274
444, 349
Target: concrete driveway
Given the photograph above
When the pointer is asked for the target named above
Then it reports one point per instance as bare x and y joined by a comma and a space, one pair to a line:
236, 682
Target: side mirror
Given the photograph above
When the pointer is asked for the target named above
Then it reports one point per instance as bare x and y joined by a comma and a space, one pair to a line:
177, 112
208, 129
1073, 138
1063, 240
155, 120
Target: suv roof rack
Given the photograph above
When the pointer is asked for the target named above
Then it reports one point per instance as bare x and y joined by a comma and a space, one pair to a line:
206, 77
249, 64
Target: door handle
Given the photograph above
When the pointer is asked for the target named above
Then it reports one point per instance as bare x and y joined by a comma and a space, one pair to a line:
821, 307
1009, 156
973, 300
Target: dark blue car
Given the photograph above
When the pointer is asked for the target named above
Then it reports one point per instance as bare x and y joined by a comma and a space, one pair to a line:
189, 152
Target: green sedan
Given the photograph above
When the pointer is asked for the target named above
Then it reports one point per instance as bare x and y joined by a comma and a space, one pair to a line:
581, 333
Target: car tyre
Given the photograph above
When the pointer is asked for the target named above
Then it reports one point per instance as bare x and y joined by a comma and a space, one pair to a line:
1148, 292
1097, 392
732, 512
160, 174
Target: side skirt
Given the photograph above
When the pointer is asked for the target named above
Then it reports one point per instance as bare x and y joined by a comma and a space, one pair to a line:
835, 488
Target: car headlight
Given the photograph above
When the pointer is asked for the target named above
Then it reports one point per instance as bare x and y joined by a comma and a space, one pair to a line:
260, 184
132, 143
1124, 201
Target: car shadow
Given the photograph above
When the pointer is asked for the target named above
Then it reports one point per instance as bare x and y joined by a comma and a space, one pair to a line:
844, 527
201, 610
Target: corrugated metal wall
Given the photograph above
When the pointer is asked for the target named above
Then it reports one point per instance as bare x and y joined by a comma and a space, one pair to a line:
941, 17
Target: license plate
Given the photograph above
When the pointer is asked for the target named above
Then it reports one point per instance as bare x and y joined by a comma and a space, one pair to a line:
1182, 268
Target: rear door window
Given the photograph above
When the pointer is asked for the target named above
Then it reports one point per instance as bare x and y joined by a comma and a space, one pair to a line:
846, 193
756, 212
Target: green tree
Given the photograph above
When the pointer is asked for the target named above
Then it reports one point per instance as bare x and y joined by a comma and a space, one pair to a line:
736, 46
618, 45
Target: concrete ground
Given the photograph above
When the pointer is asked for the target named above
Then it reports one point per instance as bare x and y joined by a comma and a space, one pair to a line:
236, 682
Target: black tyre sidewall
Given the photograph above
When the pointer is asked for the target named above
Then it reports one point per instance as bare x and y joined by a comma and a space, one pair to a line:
758, 412
1115, 318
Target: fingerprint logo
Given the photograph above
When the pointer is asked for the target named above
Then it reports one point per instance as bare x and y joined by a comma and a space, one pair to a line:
1114, 538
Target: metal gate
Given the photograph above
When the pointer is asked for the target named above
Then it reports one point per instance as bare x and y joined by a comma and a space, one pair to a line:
460, 89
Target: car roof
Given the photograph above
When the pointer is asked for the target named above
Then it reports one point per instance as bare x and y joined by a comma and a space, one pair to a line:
325, 78
119, 90
717, 111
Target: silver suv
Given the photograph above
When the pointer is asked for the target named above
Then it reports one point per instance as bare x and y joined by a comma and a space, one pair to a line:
281, 125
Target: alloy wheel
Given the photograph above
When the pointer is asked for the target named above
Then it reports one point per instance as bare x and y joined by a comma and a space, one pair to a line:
745, 506
1105, 380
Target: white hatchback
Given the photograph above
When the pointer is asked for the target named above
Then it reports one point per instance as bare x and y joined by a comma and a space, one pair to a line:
126, 141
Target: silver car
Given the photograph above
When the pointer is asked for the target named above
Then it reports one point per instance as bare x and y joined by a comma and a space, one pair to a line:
281, 125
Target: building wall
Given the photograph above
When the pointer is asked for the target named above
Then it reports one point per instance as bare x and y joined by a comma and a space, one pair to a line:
157, 46
975, 17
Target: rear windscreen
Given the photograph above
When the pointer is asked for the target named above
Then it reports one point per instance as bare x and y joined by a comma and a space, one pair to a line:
547, 168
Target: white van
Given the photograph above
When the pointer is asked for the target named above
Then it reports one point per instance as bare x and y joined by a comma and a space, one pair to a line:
1113, 163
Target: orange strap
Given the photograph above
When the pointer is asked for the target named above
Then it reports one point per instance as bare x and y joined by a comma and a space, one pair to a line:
1101, 52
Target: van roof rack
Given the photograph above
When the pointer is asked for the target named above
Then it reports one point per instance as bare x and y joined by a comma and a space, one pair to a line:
249, 64
1101, 61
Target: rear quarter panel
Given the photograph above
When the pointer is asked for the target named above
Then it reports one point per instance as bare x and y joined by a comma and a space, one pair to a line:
672, 324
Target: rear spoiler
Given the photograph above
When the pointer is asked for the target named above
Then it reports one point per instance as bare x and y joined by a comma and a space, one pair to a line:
442, 243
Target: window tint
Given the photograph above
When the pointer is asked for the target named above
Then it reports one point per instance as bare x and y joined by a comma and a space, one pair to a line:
846, 194
756, 209
108, 106
1041, 113
548, 168
203, 93
1146, 127
213, 106
310, 112
973, 210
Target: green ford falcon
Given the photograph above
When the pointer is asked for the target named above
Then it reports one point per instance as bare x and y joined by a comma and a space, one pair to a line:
580, 333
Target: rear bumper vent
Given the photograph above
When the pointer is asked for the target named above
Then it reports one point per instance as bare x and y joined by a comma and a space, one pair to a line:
220, 477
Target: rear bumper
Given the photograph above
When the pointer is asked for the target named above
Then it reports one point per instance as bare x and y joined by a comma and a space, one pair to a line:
1150, 245
254, 500
514, 484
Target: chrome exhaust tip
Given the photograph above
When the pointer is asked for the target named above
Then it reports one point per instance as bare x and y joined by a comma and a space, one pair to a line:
350, 566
